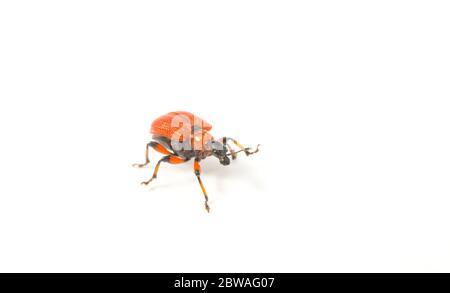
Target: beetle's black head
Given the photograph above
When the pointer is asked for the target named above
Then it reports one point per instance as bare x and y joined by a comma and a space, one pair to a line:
220, 151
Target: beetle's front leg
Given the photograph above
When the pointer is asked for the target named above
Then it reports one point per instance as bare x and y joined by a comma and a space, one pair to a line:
230, 149
247, 150
232, 152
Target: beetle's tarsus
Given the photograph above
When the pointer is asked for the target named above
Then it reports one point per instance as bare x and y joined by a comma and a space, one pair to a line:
248, 152
140, 165
207, 206
147, 182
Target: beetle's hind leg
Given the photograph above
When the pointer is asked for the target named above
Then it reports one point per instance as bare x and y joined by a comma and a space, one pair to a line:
171, 159
197, 173
157, 147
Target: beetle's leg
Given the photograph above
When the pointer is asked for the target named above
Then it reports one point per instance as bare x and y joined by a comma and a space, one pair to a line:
232, 152
157, 147
243, 149
147, 160
197, 173
171, 159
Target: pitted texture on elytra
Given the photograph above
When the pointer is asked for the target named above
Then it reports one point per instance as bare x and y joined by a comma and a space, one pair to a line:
174, 123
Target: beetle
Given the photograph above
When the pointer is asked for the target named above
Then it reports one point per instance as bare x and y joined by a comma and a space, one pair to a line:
182, 136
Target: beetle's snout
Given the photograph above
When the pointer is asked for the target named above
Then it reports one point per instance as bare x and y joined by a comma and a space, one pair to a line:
225, 161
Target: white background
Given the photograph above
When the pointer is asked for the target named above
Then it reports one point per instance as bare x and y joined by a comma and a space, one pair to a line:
349, 100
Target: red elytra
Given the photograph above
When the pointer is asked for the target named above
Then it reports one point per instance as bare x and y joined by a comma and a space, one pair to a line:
169, 124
